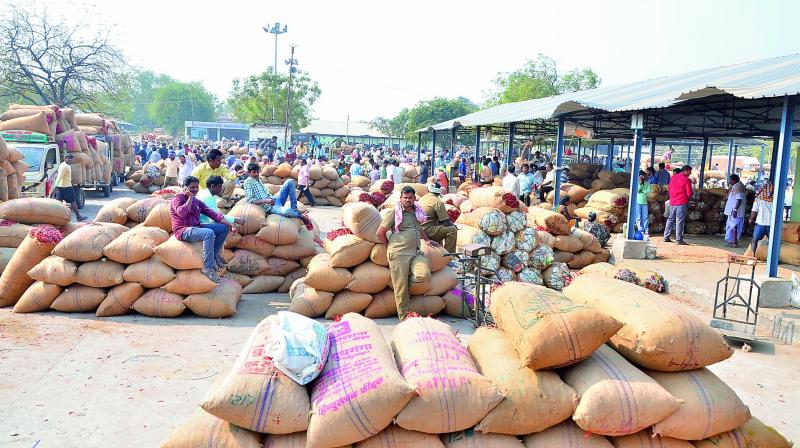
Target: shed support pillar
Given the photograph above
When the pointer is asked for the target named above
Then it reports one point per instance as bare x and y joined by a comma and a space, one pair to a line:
559, 162
637, 161
433, 148
510, 156
781, 173
703, 163
476, 174
419, 144
610, 156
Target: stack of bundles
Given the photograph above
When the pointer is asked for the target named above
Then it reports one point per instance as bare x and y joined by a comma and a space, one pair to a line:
46, 120
92, 124
326, 185
584, 174
656, 200
377, 195
707, 212
12, 171
352, 276
611, 207
17, 218
790, 245
630, 273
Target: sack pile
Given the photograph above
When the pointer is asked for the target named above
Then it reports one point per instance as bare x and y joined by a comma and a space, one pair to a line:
17, 218
326, 185
611, 207
593, 177
631, 273
12, 171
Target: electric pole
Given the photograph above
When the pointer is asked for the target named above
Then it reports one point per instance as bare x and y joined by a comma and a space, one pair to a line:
276, 30
291, 62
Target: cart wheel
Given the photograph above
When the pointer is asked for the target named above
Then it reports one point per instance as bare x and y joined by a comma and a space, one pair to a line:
81, 198
106, 190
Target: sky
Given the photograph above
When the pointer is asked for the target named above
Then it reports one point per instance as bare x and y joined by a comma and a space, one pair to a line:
372, 58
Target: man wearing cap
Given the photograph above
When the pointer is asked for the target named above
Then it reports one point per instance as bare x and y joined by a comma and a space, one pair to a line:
171, 166
437, 223
64, 189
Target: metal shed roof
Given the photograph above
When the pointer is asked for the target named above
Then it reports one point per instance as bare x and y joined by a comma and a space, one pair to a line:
767, 78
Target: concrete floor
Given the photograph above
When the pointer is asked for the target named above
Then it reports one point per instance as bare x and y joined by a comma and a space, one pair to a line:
73, 380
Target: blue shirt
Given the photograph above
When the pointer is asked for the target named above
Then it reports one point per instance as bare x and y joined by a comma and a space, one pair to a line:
525, 182
495, 167
462, 167
356, 170
662, 177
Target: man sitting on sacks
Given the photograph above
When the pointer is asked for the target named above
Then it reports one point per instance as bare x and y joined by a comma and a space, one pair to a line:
437, 223
257, 194
403, 247
185, 210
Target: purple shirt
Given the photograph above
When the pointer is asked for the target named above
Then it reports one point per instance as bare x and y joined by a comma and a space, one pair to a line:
188, 215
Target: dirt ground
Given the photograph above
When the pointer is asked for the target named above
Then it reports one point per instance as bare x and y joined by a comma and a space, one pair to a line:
74, 380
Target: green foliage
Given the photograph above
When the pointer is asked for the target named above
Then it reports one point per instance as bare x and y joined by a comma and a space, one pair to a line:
176, 102
539, 79
425, 113
252, 99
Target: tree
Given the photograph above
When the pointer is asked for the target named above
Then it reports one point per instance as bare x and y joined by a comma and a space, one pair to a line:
252, 99
539, 79
51, 61
393, 127
425, 113
142, 86
177, 102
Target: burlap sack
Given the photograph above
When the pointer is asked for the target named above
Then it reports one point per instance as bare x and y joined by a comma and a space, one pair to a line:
568, 243
302, 248
280, 230
646, 439
545, 238
38, 297
159, 217
709, 407
247, 263
159, 303
559, 256
426, 305
139, 210
347, 302
203, 429
790, 232
443, 281
135, 245
396, 437
219, 302
348, 251
322, 276
308, 301
55, 270
363, 220
359, 360
474, 439
616, 397
180, 254
566, 434
190, 281
119, 299
150, 273
102, 273
753, 434
581, 260
35, 123
78, 299
87, 243
657, 334
115, 211
290, 278
12, 234
283, 170
437, 259
262, 284
546, 329
279, 266
256, 395
34, 248
254, 216
369, 278
535, 400
35, 211
379, 256
555, 223
382, 305
430, 355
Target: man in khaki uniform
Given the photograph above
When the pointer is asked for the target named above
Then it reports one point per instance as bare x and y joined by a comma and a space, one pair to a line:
437, 224
403, 245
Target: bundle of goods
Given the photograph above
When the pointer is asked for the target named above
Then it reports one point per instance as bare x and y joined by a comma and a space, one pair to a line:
631, 273
327, 187
789, 252
19, 216
353, 276
610, 206
12, 171
377, 193
48, 120
592, 177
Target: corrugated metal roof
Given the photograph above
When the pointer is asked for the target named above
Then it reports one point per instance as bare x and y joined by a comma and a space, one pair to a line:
766, 78
343, 128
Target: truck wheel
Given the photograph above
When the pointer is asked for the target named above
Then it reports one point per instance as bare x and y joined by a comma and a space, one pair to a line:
113, 180
106, 190
81, 198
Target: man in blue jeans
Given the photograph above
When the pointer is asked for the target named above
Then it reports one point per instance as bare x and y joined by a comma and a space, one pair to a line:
761, 214
257, 194
185, 210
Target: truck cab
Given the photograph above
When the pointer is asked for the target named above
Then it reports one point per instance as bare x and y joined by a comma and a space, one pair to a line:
42, 157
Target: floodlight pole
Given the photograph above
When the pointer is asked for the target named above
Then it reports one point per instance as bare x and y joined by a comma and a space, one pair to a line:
276, 30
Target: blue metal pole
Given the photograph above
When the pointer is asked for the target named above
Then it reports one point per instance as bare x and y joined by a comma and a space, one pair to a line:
782, 171
710, 155
689, 161
610, 158
510, 157
433, 148
476, 174
578, 152
735, 153
559, 161
419, 145
636, 168
637, 161
730, 154
761, 162
452, 142
703, 163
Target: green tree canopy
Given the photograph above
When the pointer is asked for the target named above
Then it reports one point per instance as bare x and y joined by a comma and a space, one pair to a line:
539, 79
425, 113
177, 102
252, 99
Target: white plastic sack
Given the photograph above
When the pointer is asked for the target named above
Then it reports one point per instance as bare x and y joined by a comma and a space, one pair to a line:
298, 346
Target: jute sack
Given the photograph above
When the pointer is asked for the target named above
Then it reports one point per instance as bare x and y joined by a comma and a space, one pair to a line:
115, 211
474, 439
119, 299
247, 263
437, 259
645, 439
203, 429
34, 123
307, 301
322, 276
12, 233
159, 217
254, 216
279, 266
295, 440
555, 223
430, 356
546, 328
443, 281
219, 302
379, 256
5, 257
102, 273
78, 299
283, 170
189, 281
382, 305
657, 333
135, 245
568, 243
489, 197
302, 248
150, 273
348, 251
289, 279
753, 434
790, 232
243, 280
709, 407
369, 278
159, 303
87, 243
262, 284
38, 297
616, 398
180, 254
256, 245
566, 434
280, 230
468, 234
426, 305
348, 302
360, 390
396, 437
36, 211
363, 220
535, 400
55, 270
545, 238
139, 210
257, 396
34, 248
581, 260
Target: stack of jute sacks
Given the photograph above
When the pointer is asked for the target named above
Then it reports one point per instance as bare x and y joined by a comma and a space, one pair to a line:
630, 272
610, 206
790, 245
12, 171
326, 185
352, 275
49, 120
592, 176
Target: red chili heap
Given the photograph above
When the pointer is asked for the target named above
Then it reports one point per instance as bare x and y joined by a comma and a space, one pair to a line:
510, 200
333, 234
388, 187
46, 234
378, 198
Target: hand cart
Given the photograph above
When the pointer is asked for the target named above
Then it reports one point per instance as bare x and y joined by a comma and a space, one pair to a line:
736, 315
474, 283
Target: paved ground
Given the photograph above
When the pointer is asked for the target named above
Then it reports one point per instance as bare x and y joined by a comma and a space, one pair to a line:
73, 380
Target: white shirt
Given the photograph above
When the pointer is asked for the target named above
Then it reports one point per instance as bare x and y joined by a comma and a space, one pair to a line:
510, 184
537, 177
764, 212
787, 199
397, 174
550, 177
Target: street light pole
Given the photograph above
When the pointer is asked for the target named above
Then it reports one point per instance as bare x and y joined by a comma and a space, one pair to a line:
276, 30
291, 62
